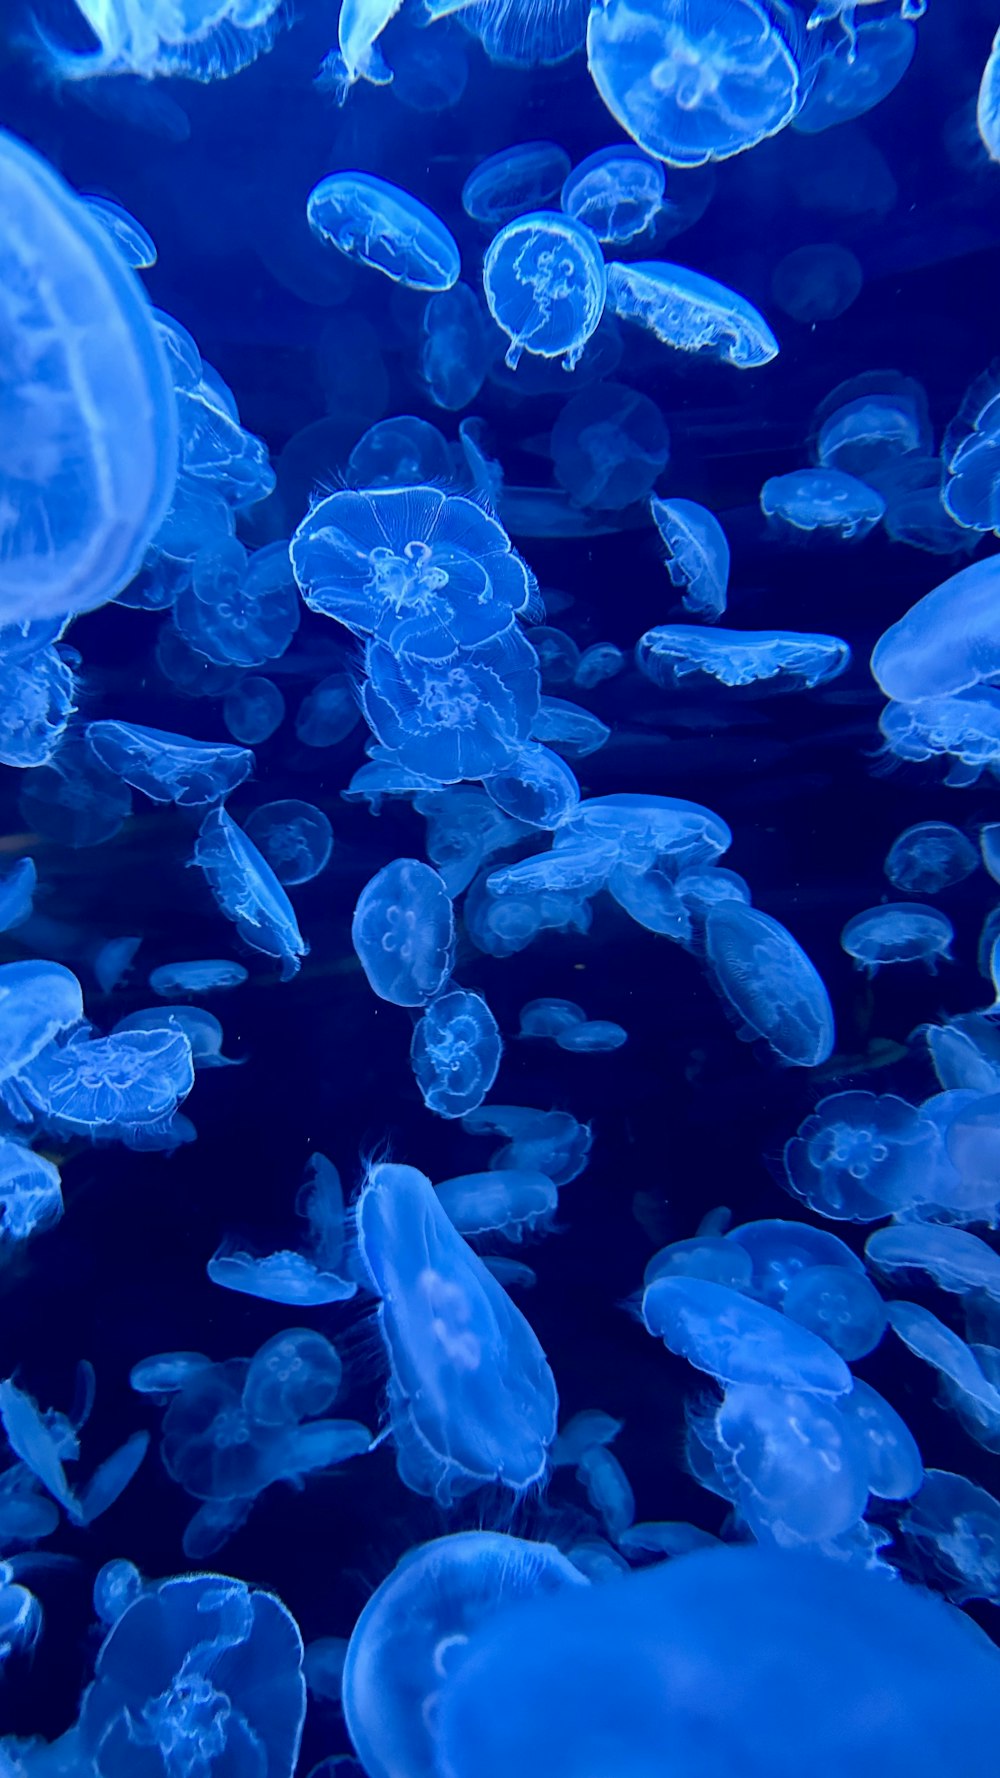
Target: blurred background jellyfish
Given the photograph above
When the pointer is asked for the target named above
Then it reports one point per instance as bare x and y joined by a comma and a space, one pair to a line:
545, 284
609, 445
821, 500
527, 176
817, 282
294, 837
898, 932
929, 857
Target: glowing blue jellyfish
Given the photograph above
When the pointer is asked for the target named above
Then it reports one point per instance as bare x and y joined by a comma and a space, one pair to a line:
328, 713
558, 655
898, 932
569, 728
546, 1018
516, 35
17, 889
545, 284
295, 838
821, 500
780, 1251
860, 1157
30, 1193
550, 1142
895, 1470
963, 727
357, 57
467, 717
202, 1030
954, 1529
535, 787
253, 710
929, 857
430, 69
737, 1340
471, 1396
508, 1202
946, 1352
423, 571
44, 1442
784, 660
840, 1305
294, 1376
956, 1260
287, 1277
210, 40
502, 926
38, 1002
799, 1468
37, 699
134, 243
169, 768
247, 891
969, 451
218, 455
403, 931
769, 983
90, 405
885, 1675
456, 348
846, 86
691, 84
864, 426
237, 610
205, 976
526, 177
697, 554
690, 312
464, 828
415, 1630
602, 660
455, 1053
402, 452
592, 1038
108, 1087
385, 228
609, 445
616, 192
817, 282
988, 103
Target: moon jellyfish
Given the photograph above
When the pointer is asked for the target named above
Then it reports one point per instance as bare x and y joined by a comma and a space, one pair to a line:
30, 1194
847, 86
898, 932
784, 660
691, 84
817, 283
690, 312
514, 34
108, 1087
202, 1030
247, 891
169, 768
800, 1468
864, 426
861, 1156
448, 720
602, 660
956, 1260
527, 176
609, 445
697, 554
780, 1251
253, 710
209, 40
953, 1527
295, 839
401, 452
569, 728
91, 419
929, 857
545, 285
616, 192
842, 1306
385, 228
969, 451
471, 1396
941, 1348
964, 727
430, 69
455, 1053
37, 699
416, 1630
824, 501
507, 1202
134, 243
360, 23
770, 984
206, 976
328, 713
456, 348
239, 610
737, 1340
988, 103
38, 1001
550, 1142
403, 932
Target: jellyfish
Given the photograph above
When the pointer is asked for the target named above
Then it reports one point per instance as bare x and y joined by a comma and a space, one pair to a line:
108, 1087
954, 1259
583, 1432
528, 176
781, 1251
328, 713
946, 1352
286, 1277
602, 660
737, 1340
430, 70
38, 1002
403, 452
697, 554
690, 312
45, 1441
894, 1466
294, 1376
569, 728
117, 1584
964, 727
847, 86
558, 655
866, 425
769, 983
616, 192
455, 1053
169, 768
534, 786
953, 1528
17, 890
416, 1630
30, 1193
988, 102
799, 1466
689, 85
359, 25
969, 454
247, 891
385, 228
469, 717
471, 1397
190, 671
593, 1037
210, 41
609, 445
817, 282
37, 699
550, 1142
502, 927
94, 417
516, 35
294, 838
547, 1017
509, 1202
824, 501
239, 611
134, 243
861, 1156
456, 349
403, 932
703, 1256
929, 857
898, 932
840, 1305
254, 710
218, 455
545, 285
464, 828
948, 642
202, 1030
208, 975
783, 660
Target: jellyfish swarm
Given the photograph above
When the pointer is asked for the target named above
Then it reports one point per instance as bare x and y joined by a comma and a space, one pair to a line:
690, 312
471, 1396
403, 932
37, 694
415, 1631
385, 228
247, 891
90, 406
545, 285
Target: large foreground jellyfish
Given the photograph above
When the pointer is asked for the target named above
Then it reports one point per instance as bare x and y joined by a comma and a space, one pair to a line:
385, 228
90, 417
201, 40
768, 981
471, 1396
691, 82
948, 642
690, 312
866, 1674
416, 1630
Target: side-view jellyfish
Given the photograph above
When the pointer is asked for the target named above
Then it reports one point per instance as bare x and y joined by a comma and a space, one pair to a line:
697, 554
929, 857
471, 1396
545, 284
948, 642
898, 932
737, 1340
385, 228
824, 501
527, 176
690, 312
403, 932
617, 192
247, 891
770, 984
781, 660
169, 768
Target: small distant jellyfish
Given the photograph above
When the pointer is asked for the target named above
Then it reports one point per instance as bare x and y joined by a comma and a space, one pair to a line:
822, 501
545, 284
401, 452
526, 177
592, 1038
385, 228
929, 857
602, 660
253, 710
328, 713
403, 932
206, 976
295, 837
870, 422
690, 312
247, 891
456, 349
817, 282
609, 445
697, 554
430, 69
546, 1018
617, 192
455, 1053
898, 932
689, 83
770, 983
17, 890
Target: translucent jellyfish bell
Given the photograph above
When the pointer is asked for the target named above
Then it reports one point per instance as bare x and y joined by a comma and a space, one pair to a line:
527, 176
457, 349
846, 86
690, 312
169, 768
403, 931
401, 452
247, 891
782, 660
385, 228
609, 445
617, 192
861, 1156
801, 1467
770, 983
988, 103
823, 501
737, 1340
817, 282
898, 932
690, 84
545, 284
455, 1053
929, 857
697, 554
92, 408
294, 837
209, 40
